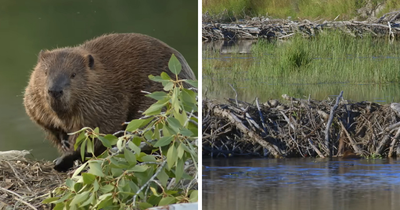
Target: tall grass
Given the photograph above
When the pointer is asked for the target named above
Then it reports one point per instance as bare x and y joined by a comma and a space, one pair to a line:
311, 9
332, 58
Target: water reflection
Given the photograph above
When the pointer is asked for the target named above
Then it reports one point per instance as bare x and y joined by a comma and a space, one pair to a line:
229, 46
237, 183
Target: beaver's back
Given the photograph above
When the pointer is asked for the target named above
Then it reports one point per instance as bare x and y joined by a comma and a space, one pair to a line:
128, 59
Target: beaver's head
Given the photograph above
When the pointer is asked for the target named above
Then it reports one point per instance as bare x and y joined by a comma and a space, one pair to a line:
66, 74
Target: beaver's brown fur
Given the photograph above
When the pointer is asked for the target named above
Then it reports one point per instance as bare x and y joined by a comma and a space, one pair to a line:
96, 84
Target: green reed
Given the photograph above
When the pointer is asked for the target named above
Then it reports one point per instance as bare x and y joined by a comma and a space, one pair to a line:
311, 9
279, 67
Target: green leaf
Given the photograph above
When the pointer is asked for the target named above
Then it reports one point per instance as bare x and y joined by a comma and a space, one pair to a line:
78, 171
158, 95
134, 124
116, 172
156, 133
89, 145
164, 141
133, 147
95, 168
181, 150
137, 140
49, 200
104, 141
83, 149
88, 201
104, 200
59, 206
144, 205
174, 65
179, 169
134, 188
129, 156
70, 184
79, 198
193, 196
168, 86
167, 200
82, 136
149, 158
188, 96
138, 168
106, 188
180, 116
65, 197
120, 143
171, 130
175, 99
186, 132
154, 109
193, 83
88, 178
154, 200
148, 134
174, 123
157, 78
96, 186
163, 177
165, 76
171, 156
96, 131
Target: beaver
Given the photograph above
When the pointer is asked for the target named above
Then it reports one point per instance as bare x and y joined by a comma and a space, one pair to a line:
95, 84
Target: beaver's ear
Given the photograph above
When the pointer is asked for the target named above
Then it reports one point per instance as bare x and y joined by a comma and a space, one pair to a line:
42, 54
90, 60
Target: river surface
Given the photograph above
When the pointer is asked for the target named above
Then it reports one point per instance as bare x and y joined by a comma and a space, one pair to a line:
26, 27
301, 184
216, 86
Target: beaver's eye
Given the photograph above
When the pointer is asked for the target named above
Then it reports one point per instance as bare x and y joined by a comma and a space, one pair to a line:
73, 75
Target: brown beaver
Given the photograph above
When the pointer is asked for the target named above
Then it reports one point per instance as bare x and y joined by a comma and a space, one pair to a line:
95, 84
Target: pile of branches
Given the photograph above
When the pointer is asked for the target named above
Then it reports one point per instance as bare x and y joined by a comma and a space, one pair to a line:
300, 128
260, 27
25, 183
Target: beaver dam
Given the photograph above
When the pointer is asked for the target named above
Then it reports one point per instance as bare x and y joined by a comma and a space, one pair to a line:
260, 27
300, 128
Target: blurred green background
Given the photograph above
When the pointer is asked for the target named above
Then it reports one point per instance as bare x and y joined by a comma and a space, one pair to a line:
26, 27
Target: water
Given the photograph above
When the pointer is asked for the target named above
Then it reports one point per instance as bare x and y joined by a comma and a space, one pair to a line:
240, 183
248, 88
29, 26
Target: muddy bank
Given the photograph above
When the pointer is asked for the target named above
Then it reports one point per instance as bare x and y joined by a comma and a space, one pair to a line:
265, 28
300, 128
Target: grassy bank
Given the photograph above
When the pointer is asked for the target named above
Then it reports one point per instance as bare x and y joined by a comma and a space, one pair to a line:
310, 9
328, 58
302, 66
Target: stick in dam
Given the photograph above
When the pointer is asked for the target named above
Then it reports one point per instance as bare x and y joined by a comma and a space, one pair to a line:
328, 125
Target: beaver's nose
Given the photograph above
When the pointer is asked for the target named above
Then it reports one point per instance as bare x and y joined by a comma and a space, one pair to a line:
55, 92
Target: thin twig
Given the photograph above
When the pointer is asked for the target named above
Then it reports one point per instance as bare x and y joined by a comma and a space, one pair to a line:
26, 203
16, 175
148, 182
261, 116
328, 125
236, 95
